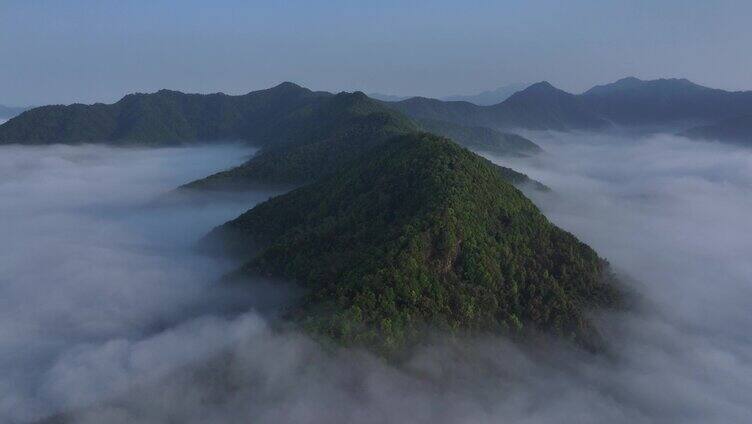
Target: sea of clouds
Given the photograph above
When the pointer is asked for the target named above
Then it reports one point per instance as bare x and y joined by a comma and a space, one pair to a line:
109, 314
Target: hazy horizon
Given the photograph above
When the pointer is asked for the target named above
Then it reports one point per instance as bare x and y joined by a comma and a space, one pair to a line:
87, 51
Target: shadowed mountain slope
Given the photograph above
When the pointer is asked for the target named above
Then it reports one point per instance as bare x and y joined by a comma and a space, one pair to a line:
736, 130
167, 117
634, 102
268, 116
673, 104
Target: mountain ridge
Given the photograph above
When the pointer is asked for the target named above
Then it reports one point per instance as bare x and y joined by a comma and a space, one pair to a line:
540, 106
633, 102
342, 127
673, 103
163, 117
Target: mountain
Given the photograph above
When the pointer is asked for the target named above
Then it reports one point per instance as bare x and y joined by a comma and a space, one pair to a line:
540, 106
421, 234
337, 130
482, 139
543, 106
167, 117
736, 130
486, 98
264, 117
7, 112
665, 102
302, 134
341, 128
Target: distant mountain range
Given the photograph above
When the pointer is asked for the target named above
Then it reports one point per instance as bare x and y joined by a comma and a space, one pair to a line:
305, 134
664, 104
263, 117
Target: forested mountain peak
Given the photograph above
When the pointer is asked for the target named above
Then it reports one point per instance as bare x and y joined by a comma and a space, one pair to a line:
421, 234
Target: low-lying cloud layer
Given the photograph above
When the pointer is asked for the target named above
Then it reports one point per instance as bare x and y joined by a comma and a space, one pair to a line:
87, 265
104, 311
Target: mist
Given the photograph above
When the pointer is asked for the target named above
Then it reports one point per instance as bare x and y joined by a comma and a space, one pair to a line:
90, 264
106, 317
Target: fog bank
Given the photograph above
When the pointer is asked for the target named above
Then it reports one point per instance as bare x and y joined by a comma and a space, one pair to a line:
672, 214
88, 267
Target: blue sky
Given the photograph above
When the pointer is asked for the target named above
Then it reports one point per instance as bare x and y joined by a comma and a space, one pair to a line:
83, 50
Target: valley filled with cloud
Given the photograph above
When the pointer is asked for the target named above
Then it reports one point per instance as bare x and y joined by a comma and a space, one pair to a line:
111, 315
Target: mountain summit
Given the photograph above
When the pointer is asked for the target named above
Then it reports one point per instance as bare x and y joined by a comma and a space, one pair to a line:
674, 104
664, 102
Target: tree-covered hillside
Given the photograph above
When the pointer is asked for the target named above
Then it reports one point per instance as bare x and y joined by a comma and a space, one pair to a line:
421, 234
167, 117
339, 129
